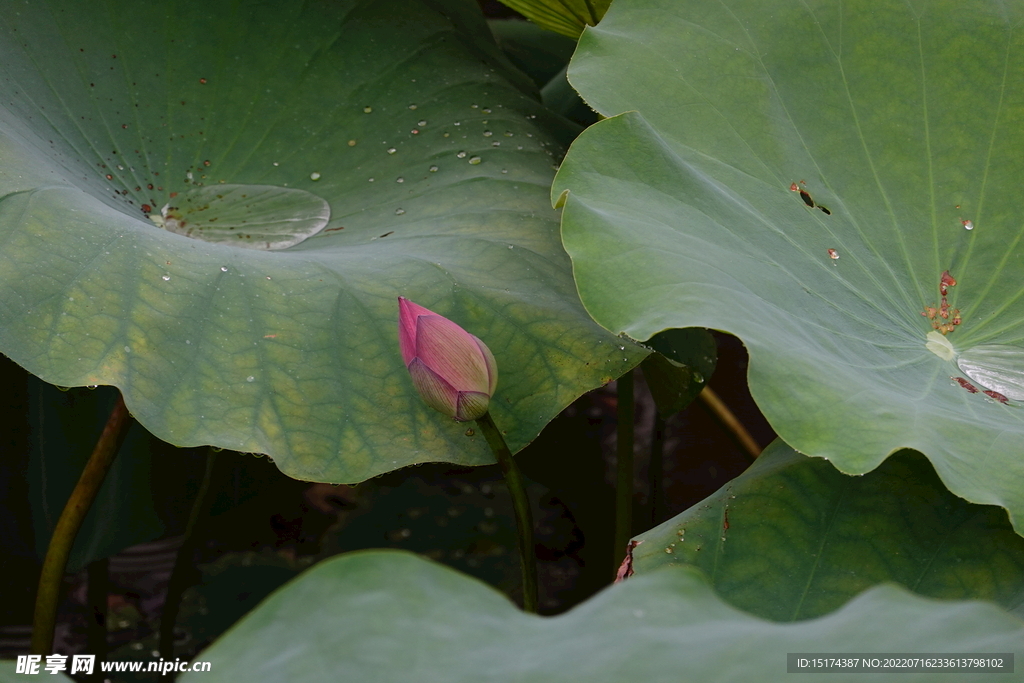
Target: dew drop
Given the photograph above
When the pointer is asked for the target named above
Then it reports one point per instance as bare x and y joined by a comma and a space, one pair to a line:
421, 123
488, 133
412, 106
367, 110
968, 225
250, 378
391, 150
166, 278
509, 133
997, 367
223, 269
399, 212
475, 160
461, 155
351, 143
473, 106
433, 169
369, 180
400, 179
698, 378
314, 176
495, 144
127, 349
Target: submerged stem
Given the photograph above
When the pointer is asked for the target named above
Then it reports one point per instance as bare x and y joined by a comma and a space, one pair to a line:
624, 469
54, 564
521, 505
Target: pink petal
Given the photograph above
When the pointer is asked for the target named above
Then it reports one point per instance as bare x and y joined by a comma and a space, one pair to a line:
436, 393
471, 405
491, 364
452, 353
408, 313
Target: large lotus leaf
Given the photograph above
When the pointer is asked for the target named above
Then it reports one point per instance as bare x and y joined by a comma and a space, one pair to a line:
391, 616
801, 175
794, 538
401, 116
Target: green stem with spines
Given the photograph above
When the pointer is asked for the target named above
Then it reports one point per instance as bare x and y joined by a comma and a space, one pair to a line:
55, 563
521, 506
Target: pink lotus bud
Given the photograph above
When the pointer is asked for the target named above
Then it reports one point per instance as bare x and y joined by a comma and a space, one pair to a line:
454, 371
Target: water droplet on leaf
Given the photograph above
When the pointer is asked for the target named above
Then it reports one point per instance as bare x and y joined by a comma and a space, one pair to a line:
249, 216
998, 367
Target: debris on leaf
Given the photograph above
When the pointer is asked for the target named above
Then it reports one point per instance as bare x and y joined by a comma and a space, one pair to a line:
965, 384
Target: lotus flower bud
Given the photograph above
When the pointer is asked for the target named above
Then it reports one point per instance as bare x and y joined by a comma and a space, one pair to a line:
452, 370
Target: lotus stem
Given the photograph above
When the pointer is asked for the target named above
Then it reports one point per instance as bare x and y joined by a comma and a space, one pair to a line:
70, 521
624, 469
521, 506
656, 470
729, 421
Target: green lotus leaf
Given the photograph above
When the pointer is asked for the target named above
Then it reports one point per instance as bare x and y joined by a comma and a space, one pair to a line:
380, 615
216, 120
793, 538
837, 185
680, 369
